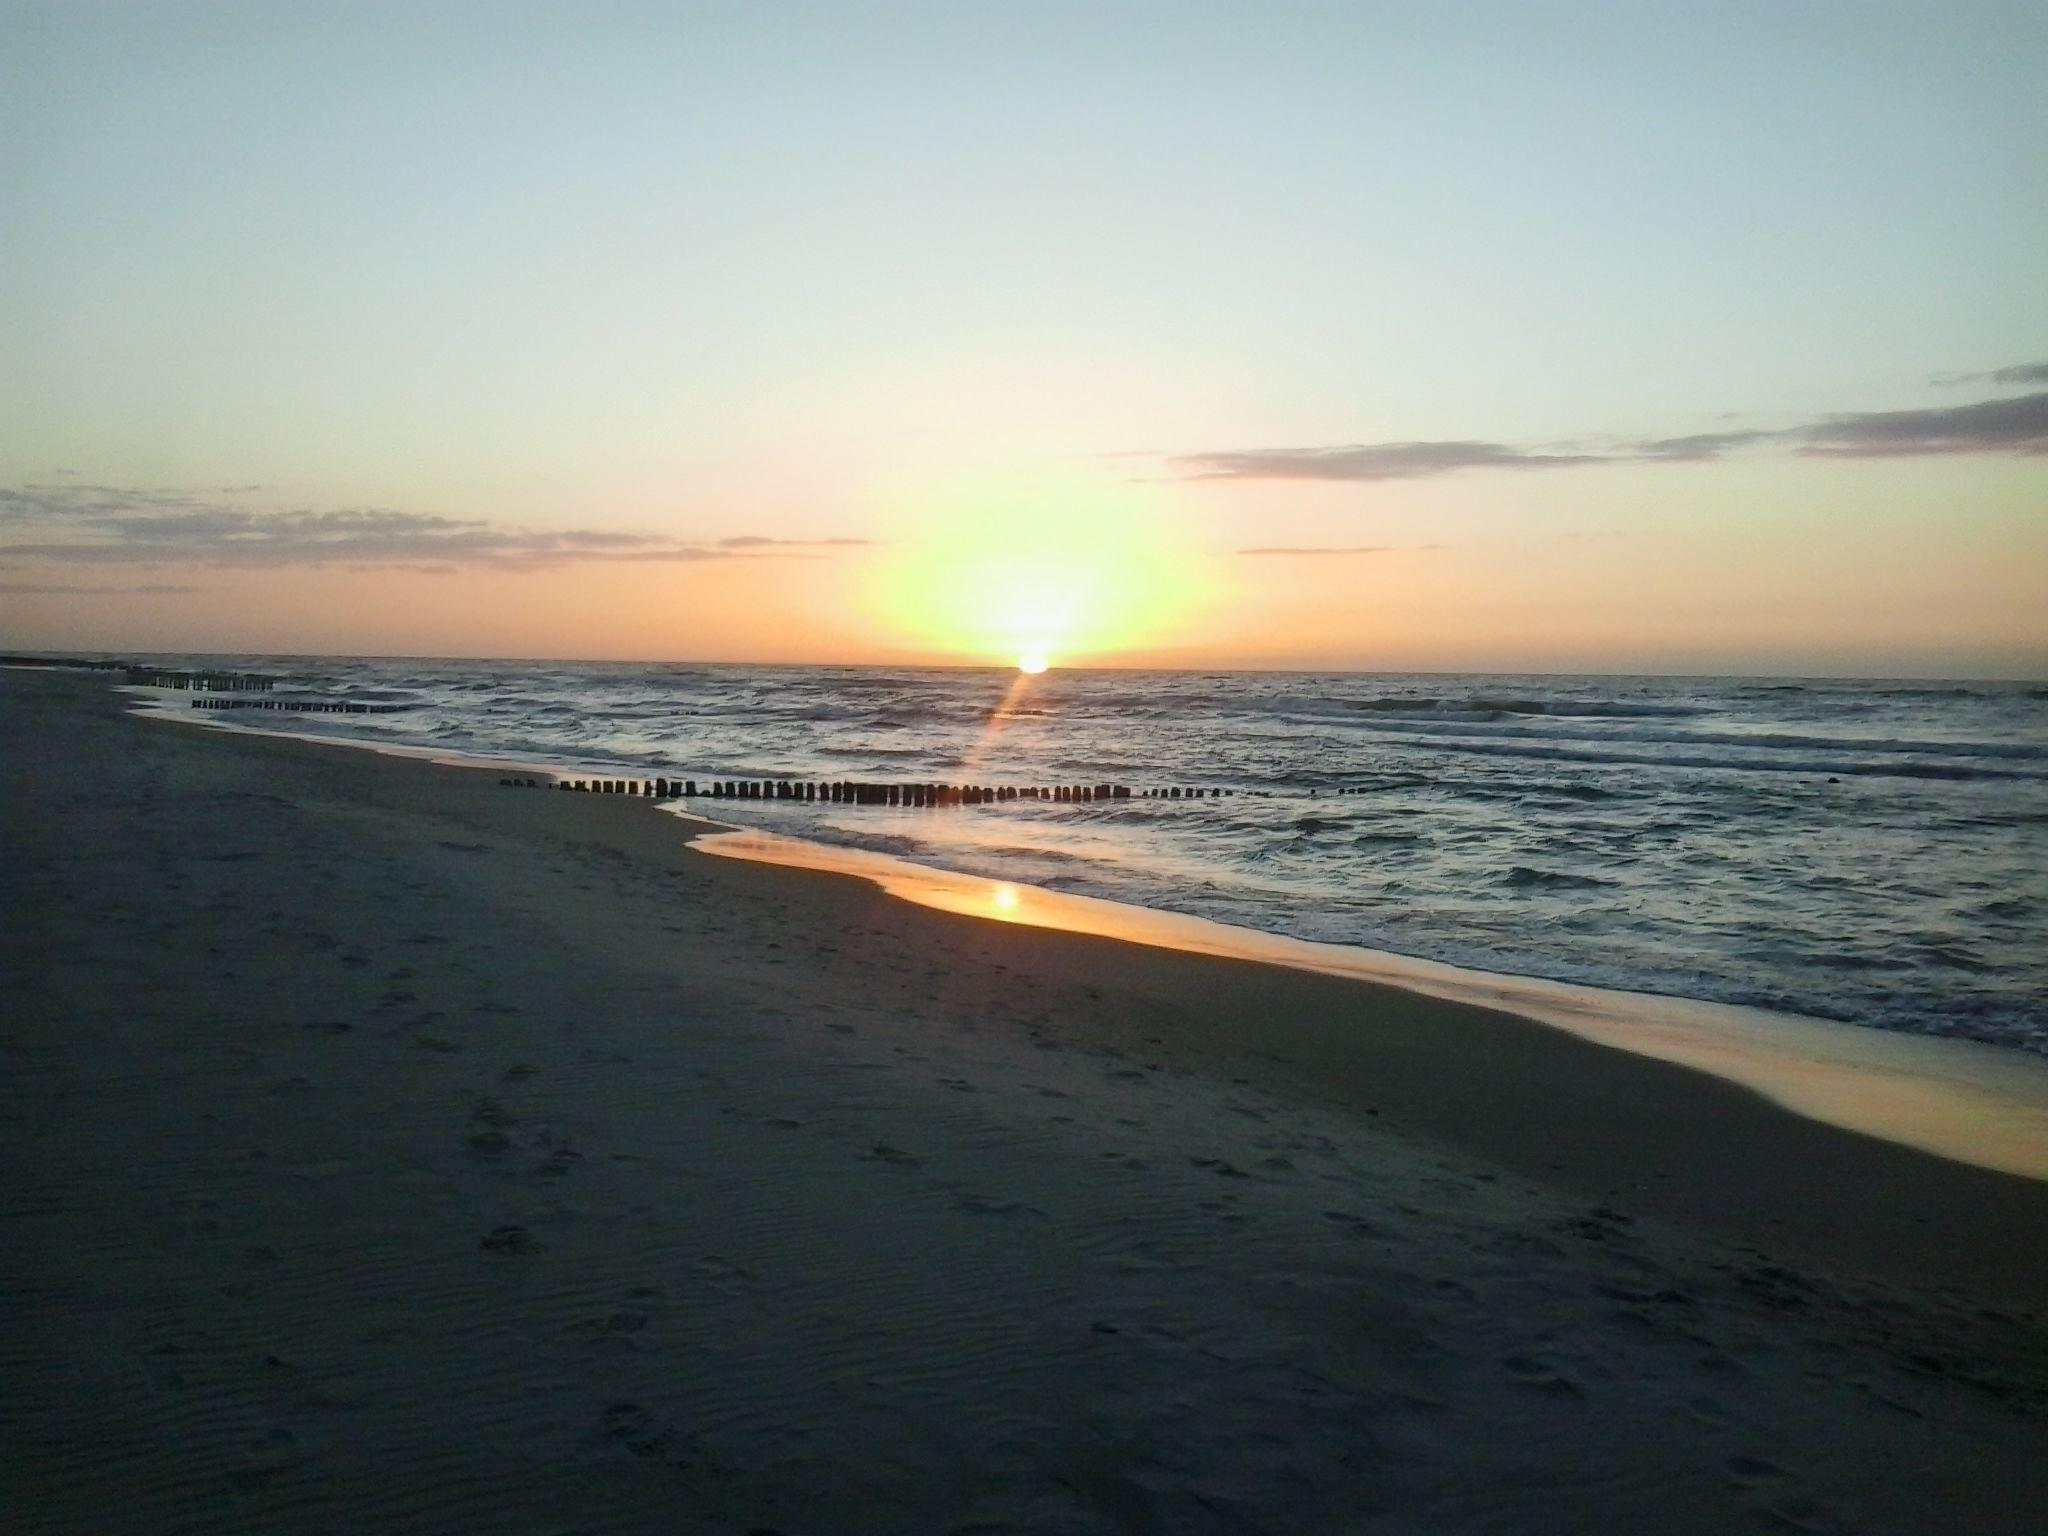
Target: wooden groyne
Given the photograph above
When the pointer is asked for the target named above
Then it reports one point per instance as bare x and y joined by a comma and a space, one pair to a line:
301, 706
848, 792
201, 682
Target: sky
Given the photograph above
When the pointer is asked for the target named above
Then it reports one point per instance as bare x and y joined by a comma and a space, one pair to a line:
1634, 337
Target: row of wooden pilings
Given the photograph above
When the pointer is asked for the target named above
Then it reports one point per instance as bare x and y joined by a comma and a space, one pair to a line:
848, 793
201, 682
301, 706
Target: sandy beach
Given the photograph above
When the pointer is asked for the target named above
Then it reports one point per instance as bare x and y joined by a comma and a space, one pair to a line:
383, 1150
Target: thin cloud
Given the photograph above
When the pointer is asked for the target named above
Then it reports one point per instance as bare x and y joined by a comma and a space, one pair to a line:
2019, 373
2016, 425
2010, 425
1699, 448
1371, 461
117, 525
146, 589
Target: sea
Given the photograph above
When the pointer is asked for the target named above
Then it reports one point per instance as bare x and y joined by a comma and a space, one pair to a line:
1869, 851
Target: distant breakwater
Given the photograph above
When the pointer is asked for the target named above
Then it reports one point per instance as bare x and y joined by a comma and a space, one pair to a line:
302, 706
201, 682
849, 792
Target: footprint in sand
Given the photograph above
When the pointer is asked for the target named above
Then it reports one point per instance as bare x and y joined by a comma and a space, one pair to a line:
1750, 1471
724, 1275
512, 1239
988, 1205
1535, 1374
632, 1424
556, 1165
1358, 1226
615, 1331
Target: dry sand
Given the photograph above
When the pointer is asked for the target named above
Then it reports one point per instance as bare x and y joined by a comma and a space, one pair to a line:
383, 1150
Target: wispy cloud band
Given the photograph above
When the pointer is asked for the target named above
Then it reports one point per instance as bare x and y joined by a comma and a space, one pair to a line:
2012, 425
2016, 425
1370, 461
2018, 373
115, 525
66, 589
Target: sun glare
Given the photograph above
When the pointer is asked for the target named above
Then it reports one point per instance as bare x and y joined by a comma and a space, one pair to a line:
1028, 572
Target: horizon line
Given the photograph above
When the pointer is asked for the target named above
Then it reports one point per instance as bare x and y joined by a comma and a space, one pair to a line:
2034, 679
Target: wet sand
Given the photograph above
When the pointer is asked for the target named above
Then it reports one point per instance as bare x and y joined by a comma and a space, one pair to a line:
385, 1150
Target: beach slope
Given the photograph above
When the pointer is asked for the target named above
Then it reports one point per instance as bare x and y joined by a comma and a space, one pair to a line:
383, 1150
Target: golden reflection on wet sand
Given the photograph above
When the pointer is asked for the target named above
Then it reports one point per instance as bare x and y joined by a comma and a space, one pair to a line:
1975, 1103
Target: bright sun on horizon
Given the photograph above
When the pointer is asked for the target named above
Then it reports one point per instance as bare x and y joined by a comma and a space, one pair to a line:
1034, 568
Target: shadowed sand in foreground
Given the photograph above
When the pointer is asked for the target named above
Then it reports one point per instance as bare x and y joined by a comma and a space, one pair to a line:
380, 1151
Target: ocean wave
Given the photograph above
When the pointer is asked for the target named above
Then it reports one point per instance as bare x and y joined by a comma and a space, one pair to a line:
1736, 740
1815, 767
1481, 707
1523, 877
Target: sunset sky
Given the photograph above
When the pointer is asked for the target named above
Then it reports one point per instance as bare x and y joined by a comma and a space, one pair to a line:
1627, 337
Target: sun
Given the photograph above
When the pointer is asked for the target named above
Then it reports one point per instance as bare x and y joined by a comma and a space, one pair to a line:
1033, 568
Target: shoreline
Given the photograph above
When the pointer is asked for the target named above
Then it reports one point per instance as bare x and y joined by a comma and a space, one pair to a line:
1968, 1100
1976, 1103
382, 1150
